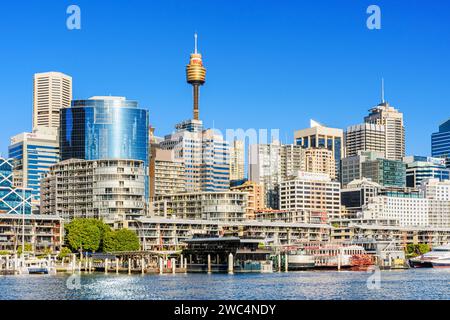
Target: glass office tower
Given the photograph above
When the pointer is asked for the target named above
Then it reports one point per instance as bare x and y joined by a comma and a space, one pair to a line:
440, 141
104, 128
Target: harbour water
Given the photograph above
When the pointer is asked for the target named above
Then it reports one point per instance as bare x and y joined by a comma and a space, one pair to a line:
314, 285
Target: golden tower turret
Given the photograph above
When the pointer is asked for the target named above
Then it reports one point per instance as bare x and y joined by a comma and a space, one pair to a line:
196, 76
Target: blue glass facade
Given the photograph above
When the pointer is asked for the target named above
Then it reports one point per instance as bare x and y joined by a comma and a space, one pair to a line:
104, 129
12, 200
440, 141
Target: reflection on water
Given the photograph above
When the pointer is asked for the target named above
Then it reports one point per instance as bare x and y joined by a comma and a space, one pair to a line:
410, 284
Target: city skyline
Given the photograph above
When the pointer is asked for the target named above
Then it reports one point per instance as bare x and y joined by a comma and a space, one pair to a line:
298, 99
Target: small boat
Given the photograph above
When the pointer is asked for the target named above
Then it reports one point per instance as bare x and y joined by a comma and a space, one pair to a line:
34, 266
299, 260
436, 258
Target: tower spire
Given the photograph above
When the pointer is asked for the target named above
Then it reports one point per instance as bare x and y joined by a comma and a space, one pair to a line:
382, 91
196, 43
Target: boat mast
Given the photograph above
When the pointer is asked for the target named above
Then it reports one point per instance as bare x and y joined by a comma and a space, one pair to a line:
23, 221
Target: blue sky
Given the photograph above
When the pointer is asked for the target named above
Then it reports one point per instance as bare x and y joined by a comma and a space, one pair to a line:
271, 64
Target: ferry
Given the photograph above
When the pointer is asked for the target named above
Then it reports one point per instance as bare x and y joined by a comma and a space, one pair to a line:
439, 257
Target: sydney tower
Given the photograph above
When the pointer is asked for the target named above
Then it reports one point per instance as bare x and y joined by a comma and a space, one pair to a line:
196, 76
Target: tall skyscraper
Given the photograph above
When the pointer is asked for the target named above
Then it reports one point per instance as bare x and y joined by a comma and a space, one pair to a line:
265, 168
365, 137
440, 141
237, 160
52, 92
34, 153
196, 76
205, 154
319, 136
392, 120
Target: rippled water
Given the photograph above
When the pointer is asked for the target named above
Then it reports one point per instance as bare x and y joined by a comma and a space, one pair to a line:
409, 284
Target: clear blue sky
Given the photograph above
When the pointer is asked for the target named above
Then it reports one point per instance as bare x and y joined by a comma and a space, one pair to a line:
271, 64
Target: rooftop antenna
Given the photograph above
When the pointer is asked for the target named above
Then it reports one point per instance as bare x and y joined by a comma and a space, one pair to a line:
196, 42
382, 90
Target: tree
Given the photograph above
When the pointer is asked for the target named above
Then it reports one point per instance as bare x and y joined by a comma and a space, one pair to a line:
65, 252
83, 234
28, 248
120, 241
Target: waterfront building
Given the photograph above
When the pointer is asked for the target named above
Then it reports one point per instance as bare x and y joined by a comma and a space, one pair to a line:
440, 141
52, 92
319, 136
101, 189
410, 209
388, 230
421, 168
212, 206
255, 199
314, 195
438, 194
43, 232
157, 232
392, 120
357, 194
265, 168
33, 154
13, 200
365, 137
237, 161
167, 174
320, 160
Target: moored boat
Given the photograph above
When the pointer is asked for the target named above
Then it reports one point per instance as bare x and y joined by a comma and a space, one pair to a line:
437, 258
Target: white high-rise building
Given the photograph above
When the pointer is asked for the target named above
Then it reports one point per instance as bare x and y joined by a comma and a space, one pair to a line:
313, 195
237, 160
52, 91
392, 120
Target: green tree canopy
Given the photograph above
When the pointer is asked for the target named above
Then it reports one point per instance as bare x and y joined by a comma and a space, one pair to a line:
121, 240
83, 234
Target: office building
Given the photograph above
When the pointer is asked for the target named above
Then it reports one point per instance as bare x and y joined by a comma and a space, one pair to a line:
365, 137
101, 189
420, 168
255, 199
226, 206
104, 128
13, 200
265, 168
237, 160
52, 92
33, 153
357, 194
319, 136
440, 141
392, 120
387, 173
351, 167
313, 195
292, 159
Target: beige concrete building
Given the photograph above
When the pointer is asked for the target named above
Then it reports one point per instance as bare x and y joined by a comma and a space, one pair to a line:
167, 174
227, 206
255, 201
320, 160
237, 160
101, 189
392, 120
365, 137
319, 136
313, 195
52, 91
